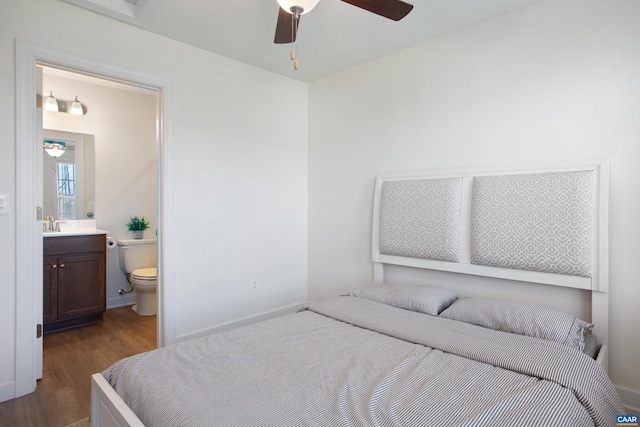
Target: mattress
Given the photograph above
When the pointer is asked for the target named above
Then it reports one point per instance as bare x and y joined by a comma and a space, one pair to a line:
354, 362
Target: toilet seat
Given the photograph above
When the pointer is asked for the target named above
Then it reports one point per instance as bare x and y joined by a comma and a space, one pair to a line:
145, 274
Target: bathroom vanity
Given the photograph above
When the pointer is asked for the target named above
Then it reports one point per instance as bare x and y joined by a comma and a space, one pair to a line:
74, 273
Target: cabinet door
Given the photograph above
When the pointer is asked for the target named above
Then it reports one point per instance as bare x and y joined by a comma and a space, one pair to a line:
50, 289
81, 285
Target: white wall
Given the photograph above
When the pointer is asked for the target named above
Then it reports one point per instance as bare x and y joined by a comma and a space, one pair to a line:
557, 80
124, 126
240, 171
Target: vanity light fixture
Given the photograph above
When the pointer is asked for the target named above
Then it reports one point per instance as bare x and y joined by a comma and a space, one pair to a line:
54, 148
51, 104
76, 108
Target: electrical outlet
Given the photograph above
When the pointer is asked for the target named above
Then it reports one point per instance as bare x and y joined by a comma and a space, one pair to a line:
4, 204
254, 284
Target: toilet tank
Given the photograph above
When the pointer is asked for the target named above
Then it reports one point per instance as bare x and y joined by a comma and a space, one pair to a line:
137, 253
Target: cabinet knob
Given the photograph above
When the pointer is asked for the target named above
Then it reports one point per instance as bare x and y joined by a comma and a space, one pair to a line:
54, 266
61, 265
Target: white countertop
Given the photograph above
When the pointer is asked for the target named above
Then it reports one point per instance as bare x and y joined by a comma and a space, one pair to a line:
74, 232
83, 227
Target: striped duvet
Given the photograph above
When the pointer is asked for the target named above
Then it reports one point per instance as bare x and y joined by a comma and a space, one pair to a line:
355, 362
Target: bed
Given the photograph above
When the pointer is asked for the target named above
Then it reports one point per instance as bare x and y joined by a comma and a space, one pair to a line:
408, 354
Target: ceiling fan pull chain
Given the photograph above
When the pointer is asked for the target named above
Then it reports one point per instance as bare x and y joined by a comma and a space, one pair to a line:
295, 19
294, 55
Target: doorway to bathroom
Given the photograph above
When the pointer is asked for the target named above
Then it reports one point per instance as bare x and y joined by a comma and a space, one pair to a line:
104, 166
30, 59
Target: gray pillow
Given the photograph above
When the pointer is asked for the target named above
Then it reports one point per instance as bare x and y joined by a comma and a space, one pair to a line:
420, 298
521, 318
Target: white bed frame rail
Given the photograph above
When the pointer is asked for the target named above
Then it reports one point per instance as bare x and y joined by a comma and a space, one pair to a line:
107, 407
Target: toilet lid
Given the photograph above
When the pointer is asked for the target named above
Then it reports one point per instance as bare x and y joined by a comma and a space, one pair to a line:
145, 274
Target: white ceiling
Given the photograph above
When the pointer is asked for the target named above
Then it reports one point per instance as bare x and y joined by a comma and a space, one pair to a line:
332, 37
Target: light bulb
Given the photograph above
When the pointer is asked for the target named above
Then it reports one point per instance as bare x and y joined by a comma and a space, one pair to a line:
51, 104
76, 108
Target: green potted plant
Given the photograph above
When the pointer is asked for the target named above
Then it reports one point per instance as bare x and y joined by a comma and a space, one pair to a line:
137, 226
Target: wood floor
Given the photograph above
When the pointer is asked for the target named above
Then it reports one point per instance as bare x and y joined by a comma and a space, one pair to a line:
63, 395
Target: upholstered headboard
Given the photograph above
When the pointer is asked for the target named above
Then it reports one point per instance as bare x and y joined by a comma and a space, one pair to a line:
543, 224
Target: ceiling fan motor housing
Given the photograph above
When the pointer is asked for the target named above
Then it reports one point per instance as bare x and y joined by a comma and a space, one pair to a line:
298, 7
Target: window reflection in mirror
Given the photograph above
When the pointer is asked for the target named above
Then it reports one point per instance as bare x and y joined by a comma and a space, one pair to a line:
68, 186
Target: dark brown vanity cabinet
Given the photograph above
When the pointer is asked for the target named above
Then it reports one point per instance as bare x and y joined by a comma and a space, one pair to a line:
74, 273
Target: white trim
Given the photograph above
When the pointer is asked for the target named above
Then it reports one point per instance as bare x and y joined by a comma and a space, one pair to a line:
146, 8
465, 225
27, 232
260, 317
630, 399
27, 255
600, 317
38, 292
490, 170
378, 272
122, 10
601, 258
7, 390
120, 301
118, 9
481, 270
167, 333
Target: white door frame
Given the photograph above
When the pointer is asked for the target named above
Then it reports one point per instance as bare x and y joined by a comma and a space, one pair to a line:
29, 230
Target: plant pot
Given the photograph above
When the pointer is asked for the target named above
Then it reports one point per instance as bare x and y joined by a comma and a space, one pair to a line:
138, 234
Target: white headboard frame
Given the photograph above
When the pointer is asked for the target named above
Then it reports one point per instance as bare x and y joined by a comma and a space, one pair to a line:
598, 281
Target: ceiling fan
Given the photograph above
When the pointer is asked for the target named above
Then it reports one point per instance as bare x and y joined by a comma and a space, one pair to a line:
291, 10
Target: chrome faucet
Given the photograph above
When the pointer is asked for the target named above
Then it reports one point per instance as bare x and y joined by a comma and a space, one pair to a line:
51, 225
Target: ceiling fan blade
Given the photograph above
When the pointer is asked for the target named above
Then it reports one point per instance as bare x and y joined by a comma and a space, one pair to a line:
286, 31
392, 9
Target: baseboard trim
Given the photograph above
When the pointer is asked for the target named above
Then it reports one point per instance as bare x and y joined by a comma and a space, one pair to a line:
630, 399
7, 391
121, 301
266, 315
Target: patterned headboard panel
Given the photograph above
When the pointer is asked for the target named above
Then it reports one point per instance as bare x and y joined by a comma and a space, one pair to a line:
536, 222
421, 218
544, 224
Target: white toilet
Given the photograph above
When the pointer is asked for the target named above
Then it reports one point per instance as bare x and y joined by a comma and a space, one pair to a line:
138, 262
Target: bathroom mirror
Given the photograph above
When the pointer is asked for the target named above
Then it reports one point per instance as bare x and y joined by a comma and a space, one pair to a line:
69, 178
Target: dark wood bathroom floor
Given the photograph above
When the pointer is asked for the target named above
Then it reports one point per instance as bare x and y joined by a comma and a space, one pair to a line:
63, 395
